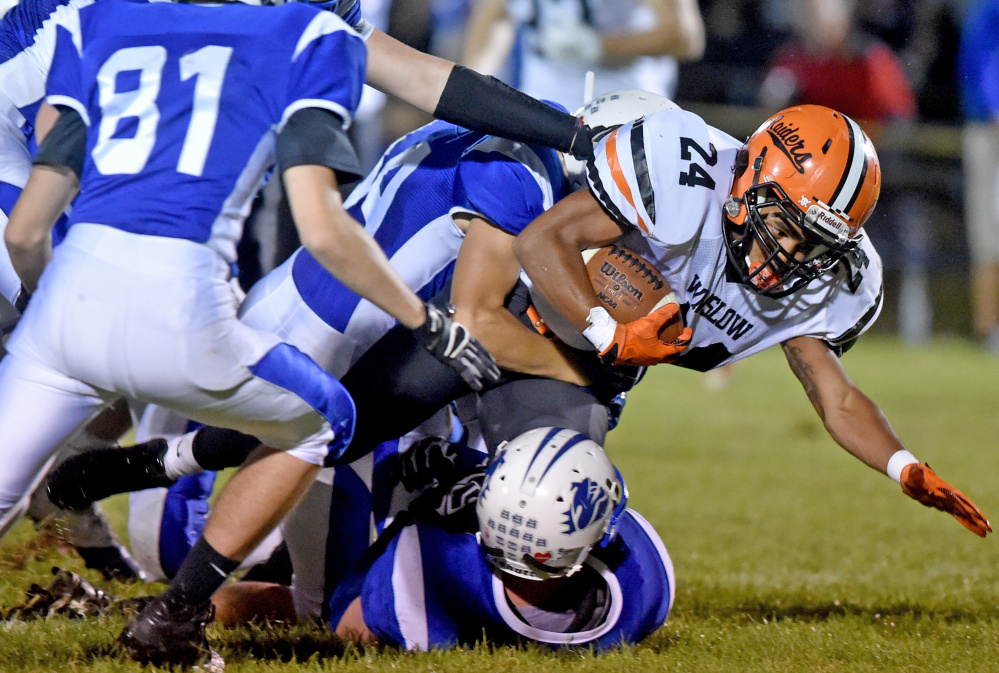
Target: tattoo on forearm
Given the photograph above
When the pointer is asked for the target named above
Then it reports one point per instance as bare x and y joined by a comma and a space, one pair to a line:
803, 370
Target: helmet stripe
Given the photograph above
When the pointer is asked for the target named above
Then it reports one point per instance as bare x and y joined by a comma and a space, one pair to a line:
855, 171
565, 447
538, 449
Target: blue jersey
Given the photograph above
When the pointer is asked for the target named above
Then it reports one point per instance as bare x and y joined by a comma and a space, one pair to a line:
27, 41
407, 202
432, 589
183, 103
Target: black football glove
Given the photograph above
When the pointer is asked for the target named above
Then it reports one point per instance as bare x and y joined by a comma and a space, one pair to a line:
451, 508
451, 343
428, 461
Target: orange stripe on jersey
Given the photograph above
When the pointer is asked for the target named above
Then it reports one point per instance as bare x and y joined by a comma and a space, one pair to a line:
618, 174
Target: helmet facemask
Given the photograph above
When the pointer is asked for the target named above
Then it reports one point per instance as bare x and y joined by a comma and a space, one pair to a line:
770, 215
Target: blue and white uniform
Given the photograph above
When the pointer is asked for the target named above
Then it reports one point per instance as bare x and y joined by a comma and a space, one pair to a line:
407, 204
431, 589
27, 41
183, 105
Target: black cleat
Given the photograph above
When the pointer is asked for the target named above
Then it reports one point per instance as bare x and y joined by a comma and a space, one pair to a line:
170, 634
95, 475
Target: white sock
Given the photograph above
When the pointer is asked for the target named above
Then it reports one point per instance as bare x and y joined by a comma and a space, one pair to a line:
179, 459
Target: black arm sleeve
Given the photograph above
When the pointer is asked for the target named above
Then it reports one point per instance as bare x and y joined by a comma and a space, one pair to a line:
66, 143
488, 105
315, 137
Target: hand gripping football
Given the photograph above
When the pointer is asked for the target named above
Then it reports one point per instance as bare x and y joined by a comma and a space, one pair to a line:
626, 285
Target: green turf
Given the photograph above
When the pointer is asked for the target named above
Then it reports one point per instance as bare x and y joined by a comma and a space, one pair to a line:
790, 555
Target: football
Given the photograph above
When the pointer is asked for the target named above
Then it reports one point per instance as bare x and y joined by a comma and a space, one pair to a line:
626, 284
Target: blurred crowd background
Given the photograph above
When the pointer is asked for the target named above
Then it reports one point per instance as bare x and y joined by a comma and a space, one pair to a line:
921, 76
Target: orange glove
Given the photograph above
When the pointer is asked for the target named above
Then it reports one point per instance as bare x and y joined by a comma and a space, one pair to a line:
637, 343
921, 483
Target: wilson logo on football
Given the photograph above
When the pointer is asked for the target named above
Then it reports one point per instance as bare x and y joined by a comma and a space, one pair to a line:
621, 278
589, 503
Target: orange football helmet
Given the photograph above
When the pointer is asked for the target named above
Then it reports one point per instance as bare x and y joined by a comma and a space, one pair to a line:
815, 169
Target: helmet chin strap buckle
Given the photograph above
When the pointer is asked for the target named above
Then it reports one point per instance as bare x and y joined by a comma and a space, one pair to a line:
732, 206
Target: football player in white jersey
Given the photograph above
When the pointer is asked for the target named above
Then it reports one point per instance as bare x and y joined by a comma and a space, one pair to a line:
167, 132
763, 244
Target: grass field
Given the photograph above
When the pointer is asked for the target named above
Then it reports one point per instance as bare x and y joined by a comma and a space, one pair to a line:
790, 555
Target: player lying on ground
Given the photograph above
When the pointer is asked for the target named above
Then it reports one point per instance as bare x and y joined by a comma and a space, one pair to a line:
558, 560
762, 243
136, 301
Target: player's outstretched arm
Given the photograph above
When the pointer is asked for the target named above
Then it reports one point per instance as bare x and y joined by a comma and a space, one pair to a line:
464, 97
860, 427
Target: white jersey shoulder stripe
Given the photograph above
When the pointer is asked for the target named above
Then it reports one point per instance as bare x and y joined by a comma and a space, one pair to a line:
618, 168
69, 18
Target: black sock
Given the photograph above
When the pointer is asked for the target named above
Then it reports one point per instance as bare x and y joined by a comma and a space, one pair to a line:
219, 448
202, 572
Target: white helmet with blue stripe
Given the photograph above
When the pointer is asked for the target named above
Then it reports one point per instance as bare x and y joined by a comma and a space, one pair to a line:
548, 497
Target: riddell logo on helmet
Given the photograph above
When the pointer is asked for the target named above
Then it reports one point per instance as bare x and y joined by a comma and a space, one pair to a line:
787, 140
828, 222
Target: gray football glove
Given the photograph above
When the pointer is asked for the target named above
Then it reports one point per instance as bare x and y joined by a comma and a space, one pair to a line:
451, 343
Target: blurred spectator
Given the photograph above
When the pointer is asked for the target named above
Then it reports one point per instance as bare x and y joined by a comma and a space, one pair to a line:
830, 61
978, 74
629, 44
740, 40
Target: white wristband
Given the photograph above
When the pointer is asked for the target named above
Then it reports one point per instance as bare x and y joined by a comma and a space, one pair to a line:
600, 333
898, 461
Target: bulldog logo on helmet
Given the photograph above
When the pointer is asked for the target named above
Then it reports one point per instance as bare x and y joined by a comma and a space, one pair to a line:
589, 503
